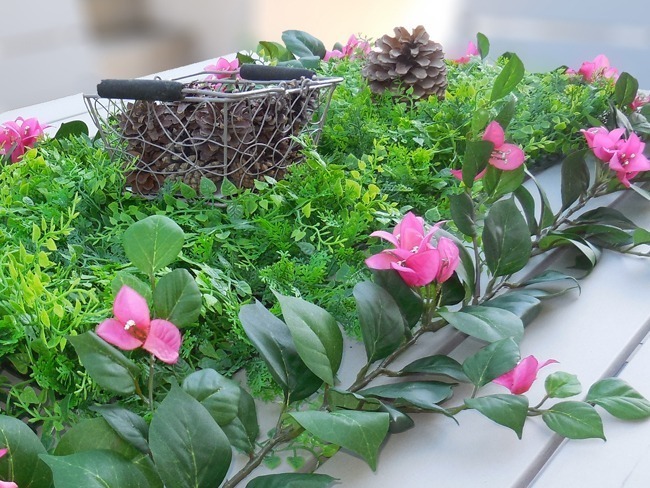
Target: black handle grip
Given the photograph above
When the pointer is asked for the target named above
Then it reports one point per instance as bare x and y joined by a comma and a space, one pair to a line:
260, 72
149, 90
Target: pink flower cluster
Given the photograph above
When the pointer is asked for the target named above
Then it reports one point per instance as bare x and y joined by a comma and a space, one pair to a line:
221, 69
639, 101
132, 327
505, 156
417, 261
593, 70
471, 51
519, 379
353, 48
624, 156
18, 136
6, 484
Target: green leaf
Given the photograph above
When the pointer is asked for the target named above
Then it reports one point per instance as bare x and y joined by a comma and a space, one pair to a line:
465, 271
498, 183
574, 420
491, 362
640, 191
382, 324
550, 276
527, 203
625, 90
292, 480
316, 334
72, 128
575, 178
153, 243
436, 365
510, 76
507, 410
607, 236
560, 239
177, 298
619, 399
228, 188
461, 207
488, 324
301, 44
351, 401
360, 432
207, 187
547, 218
125, 278
641, 236
483, 45
218, 394
607, 216
107, 366
274, 50
399, 421
272, 339
562, 385
95, 469
188, 446
506, 239
507, 113
128, 425
22, 463
477, 155
421, 394
409, 302
523, 305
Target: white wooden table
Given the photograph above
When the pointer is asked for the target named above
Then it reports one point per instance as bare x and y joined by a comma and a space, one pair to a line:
597, 334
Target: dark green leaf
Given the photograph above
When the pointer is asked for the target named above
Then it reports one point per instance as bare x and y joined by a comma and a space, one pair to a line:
302, 44
625, 90
292, 480
399, 421
607, 236
510, 76
574, 420
72, 128
483, 45
351, 401
575, 178
559, 239
547, 218
95, 469
562, 385
360, 432
507, 410
507, 112
188, 446
382, 325
452, 291
420, 394
477, 154
177, 298
244, 429
524, 306
107, 366
128, 425
272, 339
153, 243
218, 394
619, 399
550, 276
491, 362
409, 302
461, 207
606, 216
498, 183
486, 323
506, 239
21, 464
465, 271
527, 203
316, 334
436, 365
125, 278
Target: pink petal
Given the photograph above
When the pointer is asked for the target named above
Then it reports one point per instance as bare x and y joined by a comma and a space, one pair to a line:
507, 157
449, 259
494, 133
130, 305
387, 236
113, 332
382, 260
425, 264
163, 341
8, 484
3, 451
410, 231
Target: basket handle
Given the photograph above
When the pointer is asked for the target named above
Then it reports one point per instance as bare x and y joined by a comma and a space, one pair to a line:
149, 90
260, 72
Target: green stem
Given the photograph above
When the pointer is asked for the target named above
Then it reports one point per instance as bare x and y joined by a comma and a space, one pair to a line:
477, 271
152, 363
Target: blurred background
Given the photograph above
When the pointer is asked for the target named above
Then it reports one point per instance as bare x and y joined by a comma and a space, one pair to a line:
51, 49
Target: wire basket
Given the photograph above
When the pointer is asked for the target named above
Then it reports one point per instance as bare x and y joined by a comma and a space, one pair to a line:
242, 127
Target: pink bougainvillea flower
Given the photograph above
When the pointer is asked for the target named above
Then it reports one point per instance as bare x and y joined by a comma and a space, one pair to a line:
639, 101
601, 141
6, 484
333, 54
416, 260
628, 159
598, 68
19, 135
221, 69
354, 48
132, 328
472, 50
519, 379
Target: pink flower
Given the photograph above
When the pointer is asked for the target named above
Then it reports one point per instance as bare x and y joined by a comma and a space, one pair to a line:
601, 141
628, 159
132, 328
505, 156
6, 484
19, 135
471, 51
416, 260
221, 69
333, 54
519, 379
598, 68
639, 101
354, 48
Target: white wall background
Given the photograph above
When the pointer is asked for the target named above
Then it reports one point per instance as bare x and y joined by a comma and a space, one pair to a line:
50, 49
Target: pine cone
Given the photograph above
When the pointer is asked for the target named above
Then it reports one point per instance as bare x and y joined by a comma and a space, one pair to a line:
405, 61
